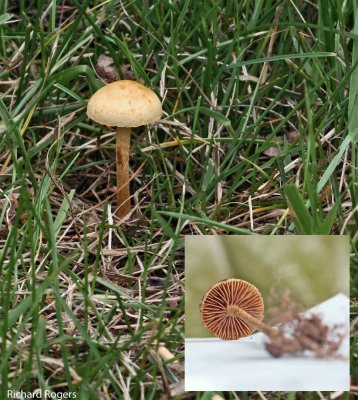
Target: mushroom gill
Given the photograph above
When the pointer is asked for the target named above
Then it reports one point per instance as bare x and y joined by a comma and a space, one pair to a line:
227, 305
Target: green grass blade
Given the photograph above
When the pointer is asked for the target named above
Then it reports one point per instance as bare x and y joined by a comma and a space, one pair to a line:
353, 89
62, 212
207, 222
5, 17
336, 160
327, 224
302, 217
281, 57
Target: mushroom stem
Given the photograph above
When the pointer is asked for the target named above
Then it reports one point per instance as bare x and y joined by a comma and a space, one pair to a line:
278, 340
122, 159
252, 321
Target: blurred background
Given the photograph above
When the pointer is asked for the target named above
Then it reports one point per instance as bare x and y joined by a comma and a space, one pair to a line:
312, 268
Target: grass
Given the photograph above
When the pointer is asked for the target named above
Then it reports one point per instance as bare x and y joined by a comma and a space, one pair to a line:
258, 136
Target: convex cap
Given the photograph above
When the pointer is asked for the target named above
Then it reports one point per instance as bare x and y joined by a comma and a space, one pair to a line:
124, 103
231, 292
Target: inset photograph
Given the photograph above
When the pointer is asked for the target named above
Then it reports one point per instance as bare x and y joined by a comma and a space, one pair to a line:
267, 313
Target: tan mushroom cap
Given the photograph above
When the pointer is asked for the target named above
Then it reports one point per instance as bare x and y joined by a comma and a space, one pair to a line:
124, 103
226, 293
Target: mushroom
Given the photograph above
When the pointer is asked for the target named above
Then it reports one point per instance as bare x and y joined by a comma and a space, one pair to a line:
124, 104
232, 309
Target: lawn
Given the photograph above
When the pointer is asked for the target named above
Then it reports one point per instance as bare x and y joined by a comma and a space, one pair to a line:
258, 136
